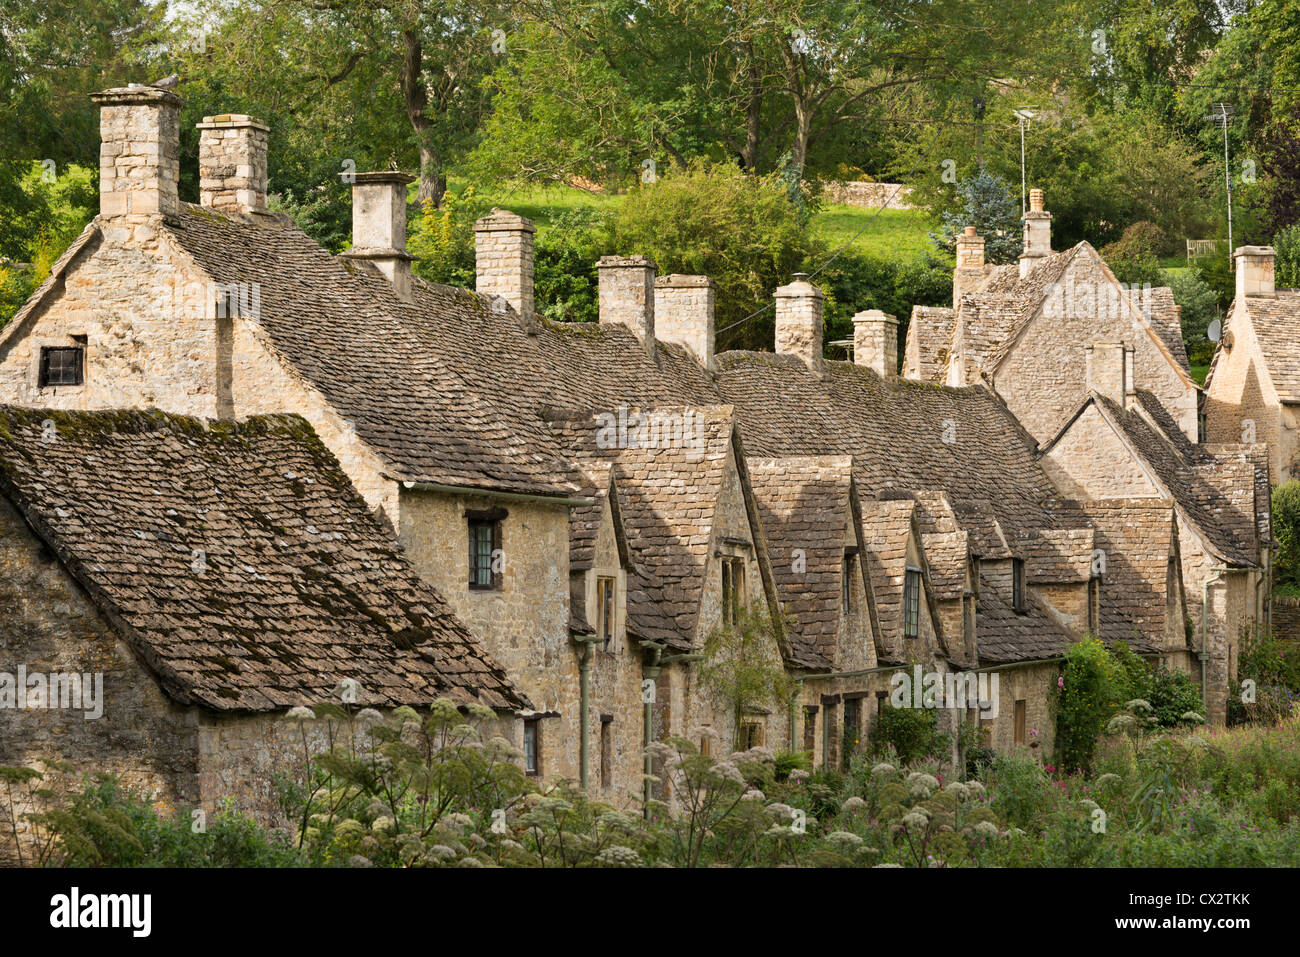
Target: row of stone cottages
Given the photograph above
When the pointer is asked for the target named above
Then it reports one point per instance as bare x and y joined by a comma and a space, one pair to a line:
237, 470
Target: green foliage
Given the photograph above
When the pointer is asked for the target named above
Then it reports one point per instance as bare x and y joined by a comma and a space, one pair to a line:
854, 282
716, 220
1135, 256
913, 733
565, 280
443, 239
742, 669
1286, 530
984, 201
1088, 696
1199, 308
1286, 267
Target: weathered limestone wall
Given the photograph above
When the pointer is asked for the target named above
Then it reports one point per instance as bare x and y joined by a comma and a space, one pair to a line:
1090, 462
49, 625
144, 317
524, 625
1043, 378
684, 313
1067, 602
503, 257
869, 195
232, 163
1243, 406
1032, 684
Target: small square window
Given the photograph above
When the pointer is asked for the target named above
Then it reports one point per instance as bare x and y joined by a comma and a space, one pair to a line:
61, 365
912, 603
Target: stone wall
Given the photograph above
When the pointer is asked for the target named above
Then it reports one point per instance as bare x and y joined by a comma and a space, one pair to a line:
1091, 462
1286, 618
869, 195
1242, 405
49, 625
1043, 378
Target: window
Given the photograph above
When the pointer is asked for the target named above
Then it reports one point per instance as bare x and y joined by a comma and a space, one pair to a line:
61, 365
1094, 604
852, 730
846, 589
1018, 584
1021, 710
751, 735
810, 728
533, 747
733, 589
485, 556
605, 609
606, 751
912, 603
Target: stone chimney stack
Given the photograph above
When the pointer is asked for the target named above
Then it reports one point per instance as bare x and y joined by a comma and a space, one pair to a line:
1110, 372
1254, 266
684, 314
232, 163
1038, 232
379, 226
503, 259
970, 264
139, 151
875, 342
627, 295
799, 308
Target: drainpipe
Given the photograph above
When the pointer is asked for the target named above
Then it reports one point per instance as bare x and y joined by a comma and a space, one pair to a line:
584, 706
1219, 571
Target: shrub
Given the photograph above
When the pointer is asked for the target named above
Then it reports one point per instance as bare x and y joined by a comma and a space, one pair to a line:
443, 239
1199, 307
1287, 264
1086, 698
1135, 256
913, 733
1286, 529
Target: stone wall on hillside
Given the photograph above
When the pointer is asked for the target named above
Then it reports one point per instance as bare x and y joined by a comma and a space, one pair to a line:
870, 195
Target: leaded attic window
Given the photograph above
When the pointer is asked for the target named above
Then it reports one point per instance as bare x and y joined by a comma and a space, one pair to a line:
61, 365
485, 555
912, 603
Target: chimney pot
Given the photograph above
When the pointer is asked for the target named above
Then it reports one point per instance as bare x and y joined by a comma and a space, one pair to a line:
139, 152
969, 231
627, 295
875, 342
503, 259
684, 314
232, 163
799, 308
1254, 265
379, 226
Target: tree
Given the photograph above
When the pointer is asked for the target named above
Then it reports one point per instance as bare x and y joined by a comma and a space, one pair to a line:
1286, 529
1199, 307
987, 204
742, 667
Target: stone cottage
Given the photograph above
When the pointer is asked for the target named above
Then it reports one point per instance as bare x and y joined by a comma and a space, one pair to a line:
1253, 389
197, 579
594, 500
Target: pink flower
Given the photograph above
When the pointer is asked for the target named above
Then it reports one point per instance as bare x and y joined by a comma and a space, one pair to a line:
1060, 681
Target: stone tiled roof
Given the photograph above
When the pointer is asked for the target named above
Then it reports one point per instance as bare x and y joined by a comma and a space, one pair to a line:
929, 340
667, 498
993, 318
1164, 317
1006, 635
1216, 495
1136, 537
887, 527
1057, 556
339, 324
804, 504
948, 556
238, 561
1276, 321
902, 435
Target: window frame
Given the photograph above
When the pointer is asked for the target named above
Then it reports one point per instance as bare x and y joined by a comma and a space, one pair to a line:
43, 367
1020, 719
912, 603
1018, 598
846, 586
606, 607
733, 588
533, 726
492, 519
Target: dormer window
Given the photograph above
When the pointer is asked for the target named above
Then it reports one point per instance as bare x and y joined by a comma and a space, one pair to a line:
1018, 599
62, 366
